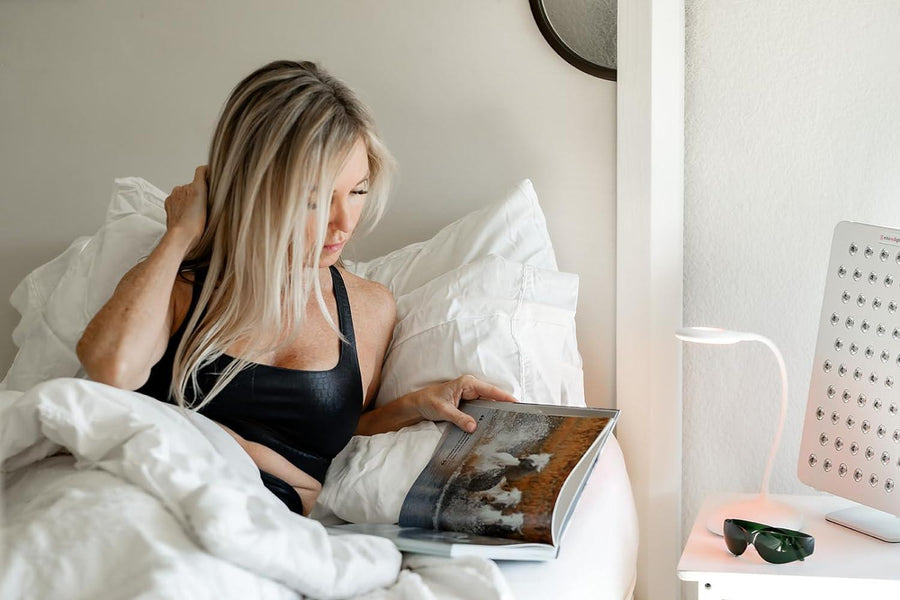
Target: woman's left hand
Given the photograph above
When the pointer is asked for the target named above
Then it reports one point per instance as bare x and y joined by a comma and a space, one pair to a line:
440, 402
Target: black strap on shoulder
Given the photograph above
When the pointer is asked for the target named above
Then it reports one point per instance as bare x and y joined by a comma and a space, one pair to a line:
345, 317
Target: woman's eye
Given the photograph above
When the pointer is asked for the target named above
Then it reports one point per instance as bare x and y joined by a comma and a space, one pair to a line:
360, 192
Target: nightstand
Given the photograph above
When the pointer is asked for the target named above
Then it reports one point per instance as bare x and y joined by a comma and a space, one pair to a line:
845, 564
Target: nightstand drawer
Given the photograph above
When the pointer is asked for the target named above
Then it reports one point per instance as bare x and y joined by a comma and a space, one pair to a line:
774, 587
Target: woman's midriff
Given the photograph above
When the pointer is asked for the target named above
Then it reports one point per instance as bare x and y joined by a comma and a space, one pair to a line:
266, 459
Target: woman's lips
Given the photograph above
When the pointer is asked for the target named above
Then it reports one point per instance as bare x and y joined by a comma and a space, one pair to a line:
333, 247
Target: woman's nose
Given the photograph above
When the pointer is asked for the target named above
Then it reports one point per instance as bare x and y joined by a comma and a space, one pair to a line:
340, 217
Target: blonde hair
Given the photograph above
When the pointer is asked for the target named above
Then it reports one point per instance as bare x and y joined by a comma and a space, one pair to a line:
281, 141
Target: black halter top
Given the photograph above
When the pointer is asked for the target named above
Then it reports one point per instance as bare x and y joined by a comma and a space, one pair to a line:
305, 416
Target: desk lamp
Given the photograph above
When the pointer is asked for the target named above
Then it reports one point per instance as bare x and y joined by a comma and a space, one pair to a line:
761, 509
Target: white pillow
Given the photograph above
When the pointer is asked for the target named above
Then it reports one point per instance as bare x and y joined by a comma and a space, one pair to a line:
513, 228
58, 299
504, 322
369, 479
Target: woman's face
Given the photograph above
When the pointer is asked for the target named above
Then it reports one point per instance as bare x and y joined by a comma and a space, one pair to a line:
347, 202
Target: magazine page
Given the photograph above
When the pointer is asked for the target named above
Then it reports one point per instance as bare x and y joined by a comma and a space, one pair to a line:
503, 480
574, 485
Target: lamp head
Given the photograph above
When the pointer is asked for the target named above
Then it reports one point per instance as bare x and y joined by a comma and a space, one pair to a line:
714, 335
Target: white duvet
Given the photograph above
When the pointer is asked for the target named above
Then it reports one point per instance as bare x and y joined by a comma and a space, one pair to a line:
154, 502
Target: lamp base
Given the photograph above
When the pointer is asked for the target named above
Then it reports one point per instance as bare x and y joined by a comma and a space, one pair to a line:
870, 521
760, 510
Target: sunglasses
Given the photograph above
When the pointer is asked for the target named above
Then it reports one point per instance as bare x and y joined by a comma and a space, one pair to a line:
774, 545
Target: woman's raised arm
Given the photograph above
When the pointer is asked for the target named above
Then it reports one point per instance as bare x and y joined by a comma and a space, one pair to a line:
129, 334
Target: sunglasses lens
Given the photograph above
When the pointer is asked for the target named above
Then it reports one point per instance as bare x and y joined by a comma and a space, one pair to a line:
806, 546
735, 538
776, 549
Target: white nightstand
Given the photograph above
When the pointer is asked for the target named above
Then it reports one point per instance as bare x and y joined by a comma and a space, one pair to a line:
845, 564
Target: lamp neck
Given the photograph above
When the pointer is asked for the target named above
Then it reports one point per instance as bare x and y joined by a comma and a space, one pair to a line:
764, 488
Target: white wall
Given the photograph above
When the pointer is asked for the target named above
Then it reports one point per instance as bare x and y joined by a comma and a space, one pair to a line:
791, 125
468, 95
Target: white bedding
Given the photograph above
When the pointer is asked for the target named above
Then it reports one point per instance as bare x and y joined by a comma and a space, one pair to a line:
146, 506
154, 502
161, 503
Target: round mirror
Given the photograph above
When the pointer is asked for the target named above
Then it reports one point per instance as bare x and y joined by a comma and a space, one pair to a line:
583, 32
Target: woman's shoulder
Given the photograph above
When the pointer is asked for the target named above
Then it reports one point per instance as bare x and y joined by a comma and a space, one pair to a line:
369, 296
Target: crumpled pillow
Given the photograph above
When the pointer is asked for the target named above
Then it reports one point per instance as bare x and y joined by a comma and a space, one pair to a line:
57, 300
504, 322
514, 228
483, 297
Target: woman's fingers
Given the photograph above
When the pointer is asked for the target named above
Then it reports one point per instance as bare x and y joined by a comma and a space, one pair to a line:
440, 402
186, 207
472, 388
449, 412
200, 174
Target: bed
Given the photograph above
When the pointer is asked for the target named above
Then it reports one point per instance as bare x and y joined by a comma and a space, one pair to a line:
109, 495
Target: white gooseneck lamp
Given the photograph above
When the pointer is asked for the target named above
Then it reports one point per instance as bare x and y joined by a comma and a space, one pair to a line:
761, 509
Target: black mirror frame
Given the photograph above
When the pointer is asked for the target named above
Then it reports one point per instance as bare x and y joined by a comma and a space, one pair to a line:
563, 49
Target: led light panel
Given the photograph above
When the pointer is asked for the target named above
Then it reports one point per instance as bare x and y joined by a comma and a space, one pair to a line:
851, 430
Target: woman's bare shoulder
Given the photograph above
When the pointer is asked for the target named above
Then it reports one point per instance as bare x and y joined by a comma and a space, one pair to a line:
371, 297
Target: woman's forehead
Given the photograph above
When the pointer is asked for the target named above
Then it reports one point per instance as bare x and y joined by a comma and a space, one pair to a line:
356, 169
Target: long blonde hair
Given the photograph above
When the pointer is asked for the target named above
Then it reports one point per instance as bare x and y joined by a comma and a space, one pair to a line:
282, 138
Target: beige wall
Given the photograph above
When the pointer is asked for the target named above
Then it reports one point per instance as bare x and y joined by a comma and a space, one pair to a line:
467, 93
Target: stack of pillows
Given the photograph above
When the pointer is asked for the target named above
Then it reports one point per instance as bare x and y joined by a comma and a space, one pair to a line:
482, 297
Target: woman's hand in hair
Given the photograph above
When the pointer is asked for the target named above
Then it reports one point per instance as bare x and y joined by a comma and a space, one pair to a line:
440, 402
186, 208
130, 333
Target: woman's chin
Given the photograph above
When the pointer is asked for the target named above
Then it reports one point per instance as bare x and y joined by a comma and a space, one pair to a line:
330, 255
328, 261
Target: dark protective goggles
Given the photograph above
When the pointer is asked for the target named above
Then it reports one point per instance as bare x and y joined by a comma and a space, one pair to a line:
774, 545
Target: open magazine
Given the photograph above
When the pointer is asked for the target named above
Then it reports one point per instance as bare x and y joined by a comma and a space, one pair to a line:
505, 491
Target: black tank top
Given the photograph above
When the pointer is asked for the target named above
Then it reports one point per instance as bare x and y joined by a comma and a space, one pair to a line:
306, 416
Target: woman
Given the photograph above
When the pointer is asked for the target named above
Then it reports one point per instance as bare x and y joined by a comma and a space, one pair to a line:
242, 310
